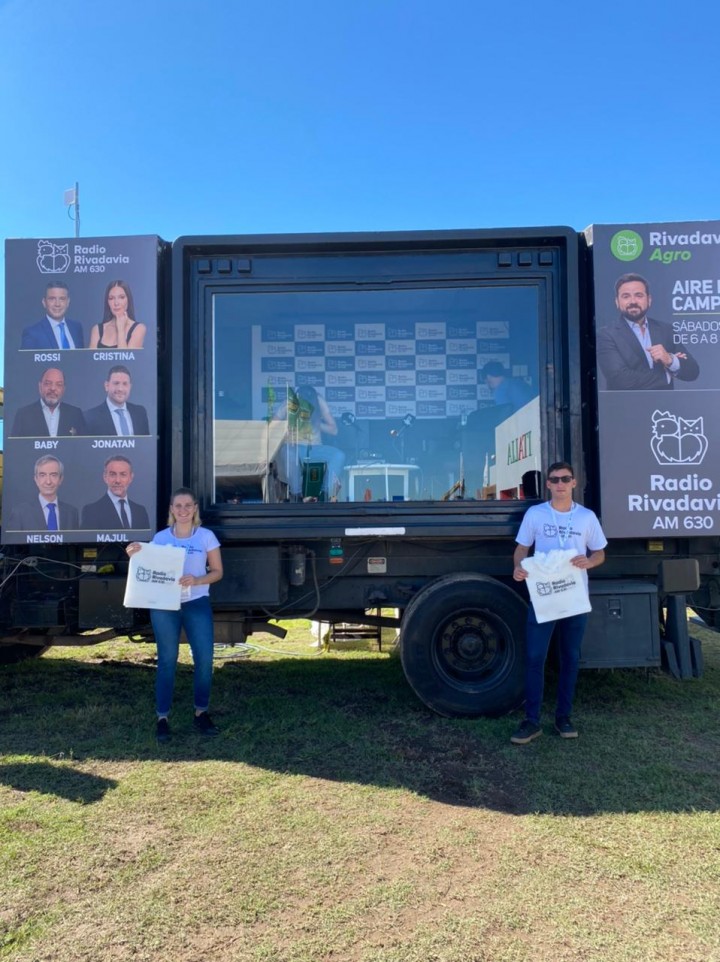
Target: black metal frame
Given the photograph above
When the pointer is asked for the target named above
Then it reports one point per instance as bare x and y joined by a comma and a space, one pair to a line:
204, 266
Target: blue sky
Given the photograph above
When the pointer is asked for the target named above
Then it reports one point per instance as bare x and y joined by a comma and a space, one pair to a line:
229, 116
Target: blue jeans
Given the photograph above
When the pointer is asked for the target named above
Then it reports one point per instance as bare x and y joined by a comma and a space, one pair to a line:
569, 635
333, 457
197, 620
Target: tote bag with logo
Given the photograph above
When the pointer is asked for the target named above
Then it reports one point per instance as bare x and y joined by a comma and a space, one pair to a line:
557, 588
153, 574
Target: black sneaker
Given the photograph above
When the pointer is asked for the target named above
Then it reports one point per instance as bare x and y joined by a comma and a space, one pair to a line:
565, 728
527, 731
162, 731
203, 724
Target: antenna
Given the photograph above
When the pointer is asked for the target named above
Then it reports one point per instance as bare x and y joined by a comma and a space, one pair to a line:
72, 202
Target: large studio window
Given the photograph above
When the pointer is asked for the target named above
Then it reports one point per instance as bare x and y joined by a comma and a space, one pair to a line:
347, 395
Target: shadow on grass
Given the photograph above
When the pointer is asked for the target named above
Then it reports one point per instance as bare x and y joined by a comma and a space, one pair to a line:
647, 743
61, 780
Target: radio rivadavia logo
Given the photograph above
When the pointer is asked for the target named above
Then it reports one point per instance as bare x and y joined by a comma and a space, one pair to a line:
626, 245
52, 258
676, 440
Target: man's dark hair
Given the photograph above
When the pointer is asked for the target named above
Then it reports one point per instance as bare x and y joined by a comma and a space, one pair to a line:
51, 284
118, 369
117, 457
494, 369
561, 466
306, 392
631, 278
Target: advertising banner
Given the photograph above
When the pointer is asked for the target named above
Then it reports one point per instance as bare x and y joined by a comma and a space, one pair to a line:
80, 390
657, 317
517, 443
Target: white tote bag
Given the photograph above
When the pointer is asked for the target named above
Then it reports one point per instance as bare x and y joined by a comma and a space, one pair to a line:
153, 577
557, 588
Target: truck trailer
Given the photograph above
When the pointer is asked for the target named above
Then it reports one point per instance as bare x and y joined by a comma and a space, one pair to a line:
365, 418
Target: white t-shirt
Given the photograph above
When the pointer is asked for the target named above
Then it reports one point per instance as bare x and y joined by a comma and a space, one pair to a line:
196, 548
547, 528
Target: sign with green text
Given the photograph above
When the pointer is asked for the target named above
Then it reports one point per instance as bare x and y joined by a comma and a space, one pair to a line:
657, 322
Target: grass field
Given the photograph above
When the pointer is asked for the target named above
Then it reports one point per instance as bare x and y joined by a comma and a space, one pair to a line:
336, 818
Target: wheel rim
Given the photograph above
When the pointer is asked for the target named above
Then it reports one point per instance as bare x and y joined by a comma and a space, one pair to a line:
473, 649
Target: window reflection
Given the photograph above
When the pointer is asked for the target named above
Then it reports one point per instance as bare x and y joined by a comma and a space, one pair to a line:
375, 395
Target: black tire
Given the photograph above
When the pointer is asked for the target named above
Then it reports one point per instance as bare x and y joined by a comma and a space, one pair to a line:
706, 602
711, 618
462, 646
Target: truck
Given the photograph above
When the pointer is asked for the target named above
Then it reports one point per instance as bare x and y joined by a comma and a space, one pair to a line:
365, 418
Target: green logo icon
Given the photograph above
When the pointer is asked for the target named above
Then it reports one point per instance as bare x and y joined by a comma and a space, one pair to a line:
626, 245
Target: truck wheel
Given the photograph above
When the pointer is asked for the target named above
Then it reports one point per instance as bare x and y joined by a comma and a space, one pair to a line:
462, 646
707, 599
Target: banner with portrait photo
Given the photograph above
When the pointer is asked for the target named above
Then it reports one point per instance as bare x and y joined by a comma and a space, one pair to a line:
657, 324
80, 443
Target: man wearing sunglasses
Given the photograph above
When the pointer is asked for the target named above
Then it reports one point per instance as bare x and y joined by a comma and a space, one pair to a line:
559, 523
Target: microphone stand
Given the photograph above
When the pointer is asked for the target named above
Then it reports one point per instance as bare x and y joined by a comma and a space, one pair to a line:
399, 435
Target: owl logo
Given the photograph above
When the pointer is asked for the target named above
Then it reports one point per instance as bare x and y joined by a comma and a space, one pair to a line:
52, 258
143, 574
676, 440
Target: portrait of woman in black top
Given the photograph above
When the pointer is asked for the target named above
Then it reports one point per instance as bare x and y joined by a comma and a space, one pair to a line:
119, 328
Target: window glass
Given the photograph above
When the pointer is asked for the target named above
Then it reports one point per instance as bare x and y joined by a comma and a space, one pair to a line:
375, 395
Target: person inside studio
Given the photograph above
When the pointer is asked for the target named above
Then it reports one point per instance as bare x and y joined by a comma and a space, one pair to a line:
509, 394
512, 393
309, 418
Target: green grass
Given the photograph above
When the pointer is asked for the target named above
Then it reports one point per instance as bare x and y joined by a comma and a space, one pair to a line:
335, 818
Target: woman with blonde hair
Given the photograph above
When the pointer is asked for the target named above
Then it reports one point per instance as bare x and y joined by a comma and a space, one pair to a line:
202, 568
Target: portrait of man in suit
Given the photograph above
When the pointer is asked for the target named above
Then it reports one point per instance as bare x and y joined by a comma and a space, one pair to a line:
46, 512
636, 352
55, 331
116, 415
115, 511
49, 416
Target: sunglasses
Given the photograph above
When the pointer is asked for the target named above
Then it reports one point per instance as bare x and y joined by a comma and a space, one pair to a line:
561, 479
